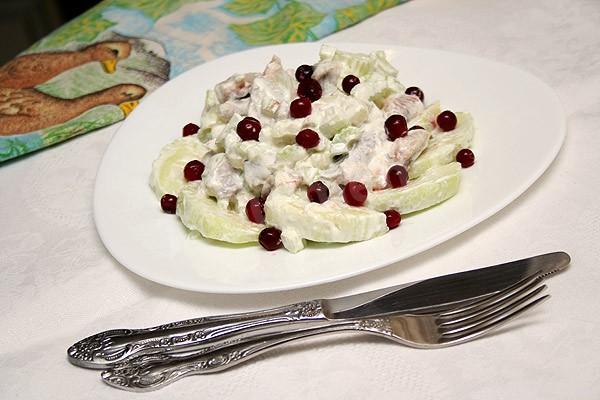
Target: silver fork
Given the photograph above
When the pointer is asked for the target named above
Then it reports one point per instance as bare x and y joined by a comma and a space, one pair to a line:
433, 330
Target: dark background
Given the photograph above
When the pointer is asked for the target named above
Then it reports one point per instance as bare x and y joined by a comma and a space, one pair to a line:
23, 22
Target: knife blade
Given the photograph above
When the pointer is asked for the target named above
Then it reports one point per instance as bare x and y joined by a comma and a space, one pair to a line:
444, 290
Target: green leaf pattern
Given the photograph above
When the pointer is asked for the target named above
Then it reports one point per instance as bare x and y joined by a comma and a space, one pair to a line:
291, 24
349, 16
249, 7
13, 147
152, 8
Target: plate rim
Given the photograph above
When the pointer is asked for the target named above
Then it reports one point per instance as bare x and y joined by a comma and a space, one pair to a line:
517, 191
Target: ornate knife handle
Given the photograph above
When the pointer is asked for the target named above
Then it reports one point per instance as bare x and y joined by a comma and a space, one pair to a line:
108, 348
154, 371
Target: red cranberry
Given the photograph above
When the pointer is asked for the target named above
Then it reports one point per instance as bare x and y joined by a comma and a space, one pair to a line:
307, 138
248, 128
349, 82
415, 91
255, 210
355, 193
270, 238
318, 192
193, 170
446, 120
310, 88
465, 157
304, 72
392, 218
300, 107
168, 203
395, 127
412, 128
190, 129
397, 176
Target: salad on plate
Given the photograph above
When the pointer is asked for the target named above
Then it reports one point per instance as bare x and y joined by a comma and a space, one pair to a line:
334, 152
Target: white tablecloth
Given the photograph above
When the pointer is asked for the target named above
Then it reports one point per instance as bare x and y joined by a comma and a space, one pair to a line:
59, 284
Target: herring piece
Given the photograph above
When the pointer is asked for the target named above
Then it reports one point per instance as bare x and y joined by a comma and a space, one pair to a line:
405, 150
272, 92
286, 180
235, 87
403, 104
359, 166
256, 175
328, 72
220, 179
255, 159
369, 160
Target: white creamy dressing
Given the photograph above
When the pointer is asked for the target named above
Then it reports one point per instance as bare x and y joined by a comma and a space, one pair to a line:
242, 169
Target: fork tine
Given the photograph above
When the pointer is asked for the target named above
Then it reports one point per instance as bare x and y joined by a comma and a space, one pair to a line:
483, 330
480, 313
477, 319
496, 321
499, 298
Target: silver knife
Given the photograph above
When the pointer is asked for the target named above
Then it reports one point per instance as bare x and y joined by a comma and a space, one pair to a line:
446, 290
204, 335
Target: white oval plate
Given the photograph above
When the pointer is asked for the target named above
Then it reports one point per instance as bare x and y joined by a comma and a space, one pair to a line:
520, 128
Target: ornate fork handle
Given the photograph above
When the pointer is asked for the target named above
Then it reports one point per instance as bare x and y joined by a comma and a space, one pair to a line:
108, 348
152, 372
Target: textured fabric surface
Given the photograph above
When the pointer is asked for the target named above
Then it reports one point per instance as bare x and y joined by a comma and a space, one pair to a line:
59, 284
94, 70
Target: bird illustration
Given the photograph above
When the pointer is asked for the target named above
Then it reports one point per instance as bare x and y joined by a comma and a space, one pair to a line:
24, 109
29, 70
